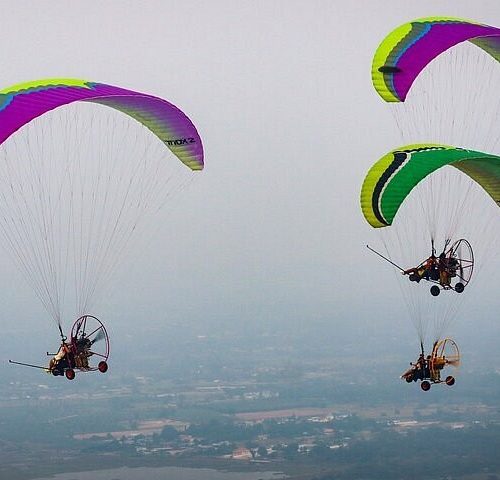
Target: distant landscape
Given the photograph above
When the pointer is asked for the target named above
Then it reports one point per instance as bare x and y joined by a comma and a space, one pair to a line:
210, 407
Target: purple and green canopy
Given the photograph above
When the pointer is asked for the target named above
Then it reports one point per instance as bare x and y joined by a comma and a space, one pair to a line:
390, 180
22, 103
406, 51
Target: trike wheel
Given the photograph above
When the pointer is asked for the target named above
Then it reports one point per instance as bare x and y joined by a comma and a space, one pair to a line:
425, 386
435, 291
102, 367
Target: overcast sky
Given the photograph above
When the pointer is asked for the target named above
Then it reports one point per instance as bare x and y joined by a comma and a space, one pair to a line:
280, 91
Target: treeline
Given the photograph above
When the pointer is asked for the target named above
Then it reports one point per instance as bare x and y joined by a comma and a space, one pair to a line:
219, 430
419, 454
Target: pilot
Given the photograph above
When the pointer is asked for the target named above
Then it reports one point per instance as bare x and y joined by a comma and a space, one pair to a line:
60, 360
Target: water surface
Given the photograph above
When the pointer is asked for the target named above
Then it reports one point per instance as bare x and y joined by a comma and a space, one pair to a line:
162, 473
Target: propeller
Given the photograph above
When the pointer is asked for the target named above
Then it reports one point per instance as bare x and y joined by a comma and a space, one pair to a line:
99, 336
459, 255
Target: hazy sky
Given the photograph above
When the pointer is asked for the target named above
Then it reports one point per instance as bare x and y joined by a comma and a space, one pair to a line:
281, 94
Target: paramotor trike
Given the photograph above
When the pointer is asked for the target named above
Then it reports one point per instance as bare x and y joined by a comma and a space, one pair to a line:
451, 270
428, 369
86, 351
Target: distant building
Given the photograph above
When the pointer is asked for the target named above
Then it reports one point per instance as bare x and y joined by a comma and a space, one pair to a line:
306, 447
241, 453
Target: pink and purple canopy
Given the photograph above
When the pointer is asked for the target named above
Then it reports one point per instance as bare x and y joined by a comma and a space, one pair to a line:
405, 52
22, 103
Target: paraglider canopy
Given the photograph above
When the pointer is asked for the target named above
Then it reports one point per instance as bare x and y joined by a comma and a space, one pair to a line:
22, 103
391, 179
406, 51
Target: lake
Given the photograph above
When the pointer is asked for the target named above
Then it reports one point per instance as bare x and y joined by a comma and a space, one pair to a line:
162, 473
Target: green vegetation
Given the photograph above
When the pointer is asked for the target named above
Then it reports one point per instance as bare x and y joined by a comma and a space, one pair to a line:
327, 419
